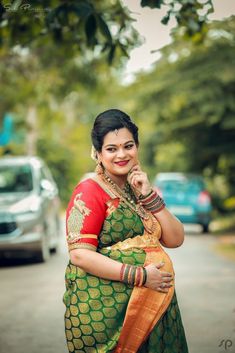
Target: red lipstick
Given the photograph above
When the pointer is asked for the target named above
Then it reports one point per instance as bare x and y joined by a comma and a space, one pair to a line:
121, 163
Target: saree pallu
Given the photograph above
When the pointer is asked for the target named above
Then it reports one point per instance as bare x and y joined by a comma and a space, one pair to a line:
96, 317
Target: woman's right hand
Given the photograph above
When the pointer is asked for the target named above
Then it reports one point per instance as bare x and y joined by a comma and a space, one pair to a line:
158, 280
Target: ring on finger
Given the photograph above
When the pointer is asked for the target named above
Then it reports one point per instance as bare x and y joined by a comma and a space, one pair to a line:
161, 290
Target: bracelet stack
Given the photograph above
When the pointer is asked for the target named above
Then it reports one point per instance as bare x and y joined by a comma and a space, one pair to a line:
152, 202
133, 275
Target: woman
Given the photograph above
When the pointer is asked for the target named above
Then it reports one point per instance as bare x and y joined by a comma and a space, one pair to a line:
119, 281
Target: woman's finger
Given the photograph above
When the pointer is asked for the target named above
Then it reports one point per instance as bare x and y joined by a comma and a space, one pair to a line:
159, 289
167, 279
165, 285
166, 274
132, 172
135, 175
136, 182
135, 167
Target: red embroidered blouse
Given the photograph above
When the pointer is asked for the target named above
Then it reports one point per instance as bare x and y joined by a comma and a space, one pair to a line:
85, 215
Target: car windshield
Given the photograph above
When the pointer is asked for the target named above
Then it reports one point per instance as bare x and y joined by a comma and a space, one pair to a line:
184, 184
16, 179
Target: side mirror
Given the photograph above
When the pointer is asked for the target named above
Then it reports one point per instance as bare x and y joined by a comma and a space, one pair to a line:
46, 185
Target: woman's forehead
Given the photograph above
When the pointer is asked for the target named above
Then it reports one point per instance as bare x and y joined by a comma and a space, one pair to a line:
118, 136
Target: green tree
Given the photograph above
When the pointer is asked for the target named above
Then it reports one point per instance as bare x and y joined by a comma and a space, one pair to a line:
190, 99
89, 25
54, 100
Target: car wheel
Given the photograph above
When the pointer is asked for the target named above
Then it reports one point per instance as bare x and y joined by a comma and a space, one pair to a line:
205, 228
43, 254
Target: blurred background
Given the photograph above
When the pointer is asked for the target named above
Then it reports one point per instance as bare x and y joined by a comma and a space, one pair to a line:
169, 64
62, 64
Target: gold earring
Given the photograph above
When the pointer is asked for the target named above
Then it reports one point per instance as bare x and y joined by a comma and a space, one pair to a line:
99, 168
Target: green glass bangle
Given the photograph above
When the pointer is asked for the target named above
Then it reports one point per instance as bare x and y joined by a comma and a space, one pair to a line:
126, 273
132, 276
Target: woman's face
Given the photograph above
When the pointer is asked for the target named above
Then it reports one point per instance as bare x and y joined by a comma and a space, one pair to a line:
119, 153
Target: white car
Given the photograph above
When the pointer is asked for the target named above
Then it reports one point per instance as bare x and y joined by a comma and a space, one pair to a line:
29, 208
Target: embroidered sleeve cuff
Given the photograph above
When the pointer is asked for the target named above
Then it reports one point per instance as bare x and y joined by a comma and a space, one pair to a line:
83, 241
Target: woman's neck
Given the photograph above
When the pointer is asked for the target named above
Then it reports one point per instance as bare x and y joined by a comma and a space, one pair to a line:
120, 180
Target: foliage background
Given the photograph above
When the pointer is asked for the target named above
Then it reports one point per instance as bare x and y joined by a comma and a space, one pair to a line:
57, 75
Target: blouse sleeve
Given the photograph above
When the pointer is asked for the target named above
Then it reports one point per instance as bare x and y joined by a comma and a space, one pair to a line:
85, 215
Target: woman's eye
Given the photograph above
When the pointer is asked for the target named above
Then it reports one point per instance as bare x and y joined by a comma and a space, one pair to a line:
111, 149
129, 146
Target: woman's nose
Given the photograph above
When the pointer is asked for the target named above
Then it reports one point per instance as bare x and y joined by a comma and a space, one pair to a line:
121, 152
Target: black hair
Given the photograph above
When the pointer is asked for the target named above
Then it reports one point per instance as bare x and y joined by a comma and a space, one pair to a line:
110, 120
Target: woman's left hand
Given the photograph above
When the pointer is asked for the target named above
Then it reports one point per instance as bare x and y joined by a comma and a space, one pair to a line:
139, 180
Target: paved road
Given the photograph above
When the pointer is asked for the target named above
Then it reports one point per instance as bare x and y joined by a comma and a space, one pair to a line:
205, 285
31, 309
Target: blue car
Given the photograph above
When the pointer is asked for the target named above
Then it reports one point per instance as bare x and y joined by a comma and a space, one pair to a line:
186, 197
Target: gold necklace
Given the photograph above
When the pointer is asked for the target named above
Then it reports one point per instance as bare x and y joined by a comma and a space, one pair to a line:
125, 197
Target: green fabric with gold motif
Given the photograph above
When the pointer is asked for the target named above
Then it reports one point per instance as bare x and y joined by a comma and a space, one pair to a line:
95, 307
